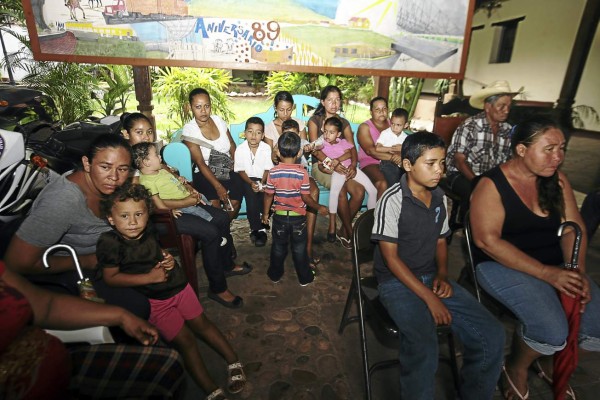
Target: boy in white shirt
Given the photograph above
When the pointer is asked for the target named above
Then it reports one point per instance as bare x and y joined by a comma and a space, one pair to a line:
252, 163
390, 141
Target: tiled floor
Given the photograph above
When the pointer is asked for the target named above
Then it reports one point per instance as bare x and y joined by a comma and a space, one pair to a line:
287, 335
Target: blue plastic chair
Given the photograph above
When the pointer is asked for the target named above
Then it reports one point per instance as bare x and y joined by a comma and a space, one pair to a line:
177, 155
303, 105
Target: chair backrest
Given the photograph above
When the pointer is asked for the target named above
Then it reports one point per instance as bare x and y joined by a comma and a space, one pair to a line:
445, 127
169, 235
304, 104
361, 237
493, 305
177, 155
470, 244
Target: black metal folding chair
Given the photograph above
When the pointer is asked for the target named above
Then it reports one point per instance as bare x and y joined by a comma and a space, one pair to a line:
493, 305
363, 290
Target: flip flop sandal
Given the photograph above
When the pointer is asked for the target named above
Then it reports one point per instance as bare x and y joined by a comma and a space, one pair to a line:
236, 379
217, 395
346, 243
245, 268
546, 378
506, 393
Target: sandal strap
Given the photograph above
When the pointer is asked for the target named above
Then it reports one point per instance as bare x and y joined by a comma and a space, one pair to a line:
513, 387
237, 378
218, 394
235, 365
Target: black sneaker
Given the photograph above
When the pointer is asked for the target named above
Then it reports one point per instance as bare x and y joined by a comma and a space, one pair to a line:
253, 236
261, 238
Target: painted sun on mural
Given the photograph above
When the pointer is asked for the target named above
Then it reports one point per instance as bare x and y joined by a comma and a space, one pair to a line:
405, 35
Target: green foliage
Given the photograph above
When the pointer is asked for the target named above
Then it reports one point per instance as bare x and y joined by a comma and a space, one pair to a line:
441, 86
404, 93
11, 14
293, 82
115, 85
259, 78
173, 85
355, 88
68, 84
12, 11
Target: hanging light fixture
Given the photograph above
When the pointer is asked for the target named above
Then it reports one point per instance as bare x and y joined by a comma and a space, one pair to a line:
488, 5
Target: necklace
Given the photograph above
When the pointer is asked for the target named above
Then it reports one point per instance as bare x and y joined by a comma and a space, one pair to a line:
253, 154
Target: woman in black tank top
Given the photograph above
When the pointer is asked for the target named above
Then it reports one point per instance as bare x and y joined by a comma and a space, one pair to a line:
516, 210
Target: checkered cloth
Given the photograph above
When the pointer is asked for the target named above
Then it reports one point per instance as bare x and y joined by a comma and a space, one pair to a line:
125, 371
483, 149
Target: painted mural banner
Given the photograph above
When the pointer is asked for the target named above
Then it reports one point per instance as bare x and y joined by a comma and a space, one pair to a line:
368, 37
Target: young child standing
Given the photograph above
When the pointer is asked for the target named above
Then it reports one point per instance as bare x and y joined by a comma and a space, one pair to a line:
288, 189
130, 255
390, 141
339, 151
252, 163
410, 263
291, 125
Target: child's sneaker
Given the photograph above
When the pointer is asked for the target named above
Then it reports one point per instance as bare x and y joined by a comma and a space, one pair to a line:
308, 283
260, 238
253, 236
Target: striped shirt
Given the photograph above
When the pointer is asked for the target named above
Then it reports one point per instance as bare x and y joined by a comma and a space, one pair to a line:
403, 219
288, 182
482, 149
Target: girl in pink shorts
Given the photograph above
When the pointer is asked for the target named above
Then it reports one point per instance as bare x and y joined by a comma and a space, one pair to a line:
130, 255
341, 152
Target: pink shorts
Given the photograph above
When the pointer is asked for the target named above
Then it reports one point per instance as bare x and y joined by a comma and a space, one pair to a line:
170, 314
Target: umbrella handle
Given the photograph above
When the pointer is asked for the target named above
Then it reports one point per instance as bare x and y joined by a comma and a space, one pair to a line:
66, 247
576, 245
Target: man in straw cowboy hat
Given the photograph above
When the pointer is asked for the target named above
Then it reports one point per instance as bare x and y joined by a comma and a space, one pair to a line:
481, 142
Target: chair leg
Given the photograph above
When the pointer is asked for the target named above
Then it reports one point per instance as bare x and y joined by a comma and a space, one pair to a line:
365, 354
345, 318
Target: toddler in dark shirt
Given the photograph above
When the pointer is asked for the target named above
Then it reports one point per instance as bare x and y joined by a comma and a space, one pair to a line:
130, 255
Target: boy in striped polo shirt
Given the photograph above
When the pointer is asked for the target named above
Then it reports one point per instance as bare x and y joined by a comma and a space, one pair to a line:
288, 189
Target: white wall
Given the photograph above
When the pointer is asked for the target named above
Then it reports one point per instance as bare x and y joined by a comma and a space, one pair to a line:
541, 52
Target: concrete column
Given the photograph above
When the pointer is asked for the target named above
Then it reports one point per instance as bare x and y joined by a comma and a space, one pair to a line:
579, 55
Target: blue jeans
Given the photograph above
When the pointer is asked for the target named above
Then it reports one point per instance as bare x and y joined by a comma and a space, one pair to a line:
197, 211
537, 306
288, 229
392, 172
480, 333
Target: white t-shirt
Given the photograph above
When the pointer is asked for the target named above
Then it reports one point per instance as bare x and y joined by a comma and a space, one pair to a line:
389, 138
254, 165
221, 144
